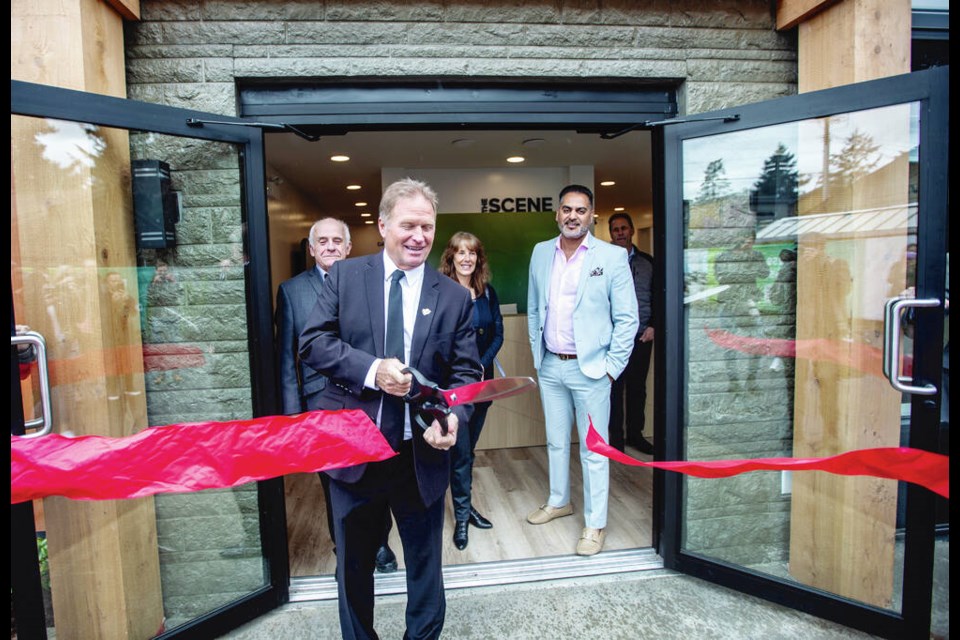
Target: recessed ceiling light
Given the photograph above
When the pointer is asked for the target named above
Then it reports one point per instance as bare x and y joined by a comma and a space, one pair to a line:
618, 208
516, 159
368, 222
359, 204
340, 158
353, 187
365, 215
607, 183
463, 143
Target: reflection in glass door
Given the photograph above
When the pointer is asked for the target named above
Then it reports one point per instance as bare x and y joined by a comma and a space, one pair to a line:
127, 257
795, 235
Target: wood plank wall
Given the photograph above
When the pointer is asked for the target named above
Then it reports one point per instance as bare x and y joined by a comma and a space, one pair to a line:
842, 529
103, 558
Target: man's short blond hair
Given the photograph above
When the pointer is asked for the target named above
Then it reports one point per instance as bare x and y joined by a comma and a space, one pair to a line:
406, 188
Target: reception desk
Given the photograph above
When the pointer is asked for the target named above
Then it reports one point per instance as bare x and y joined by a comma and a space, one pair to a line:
518, 421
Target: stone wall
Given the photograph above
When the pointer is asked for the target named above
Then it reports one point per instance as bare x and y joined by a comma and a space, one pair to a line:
197, 368
739, 403
191, 54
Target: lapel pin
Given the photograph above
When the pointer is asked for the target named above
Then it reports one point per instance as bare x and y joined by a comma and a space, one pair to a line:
425, 312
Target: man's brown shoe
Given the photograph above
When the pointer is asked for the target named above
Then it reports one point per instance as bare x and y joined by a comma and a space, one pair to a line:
546, 513
591, 541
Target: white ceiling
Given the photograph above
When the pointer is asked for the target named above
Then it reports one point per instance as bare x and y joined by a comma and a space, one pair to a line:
307, 165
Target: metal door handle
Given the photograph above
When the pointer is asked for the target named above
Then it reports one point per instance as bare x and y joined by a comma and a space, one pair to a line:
45, 421
892, 318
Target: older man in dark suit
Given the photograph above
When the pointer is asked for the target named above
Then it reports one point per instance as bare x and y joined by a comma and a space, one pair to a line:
377, 315
301, 384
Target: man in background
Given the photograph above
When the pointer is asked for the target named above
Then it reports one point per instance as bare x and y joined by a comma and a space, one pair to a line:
633, 380
301, 384
582, 320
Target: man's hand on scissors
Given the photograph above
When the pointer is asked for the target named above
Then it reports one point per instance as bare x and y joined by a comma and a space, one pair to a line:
434, 435
391, 379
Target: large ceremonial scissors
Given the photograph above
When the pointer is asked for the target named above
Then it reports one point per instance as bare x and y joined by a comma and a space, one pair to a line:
428, 402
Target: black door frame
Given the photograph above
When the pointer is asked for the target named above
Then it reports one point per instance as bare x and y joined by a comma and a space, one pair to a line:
335, 107
608, 107
931, 89
42, 101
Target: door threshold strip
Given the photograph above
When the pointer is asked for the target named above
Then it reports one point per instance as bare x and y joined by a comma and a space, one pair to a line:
313, 588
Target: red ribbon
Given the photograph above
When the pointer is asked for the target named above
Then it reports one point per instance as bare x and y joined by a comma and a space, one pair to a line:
211, 455
855, 355
930, 470
190, 457
123, 360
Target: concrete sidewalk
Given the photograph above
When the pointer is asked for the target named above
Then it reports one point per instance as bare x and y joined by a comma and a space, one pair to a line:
656, 603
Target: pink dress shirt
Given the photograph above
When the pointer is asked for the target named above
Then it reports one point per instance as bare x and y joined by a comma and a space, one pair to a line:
562, 298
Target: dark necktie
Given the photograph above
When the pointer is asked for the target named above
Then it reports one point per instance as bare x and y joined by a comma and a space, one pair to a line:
394, 342
392, 412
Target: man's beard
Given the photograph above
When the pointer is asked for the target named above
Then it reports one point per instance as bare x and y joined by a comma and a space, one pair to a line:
573, 235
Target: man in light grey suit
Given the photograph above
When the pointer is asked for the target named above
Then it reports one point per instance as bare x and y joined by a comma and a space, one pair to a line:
581, 319
301, 384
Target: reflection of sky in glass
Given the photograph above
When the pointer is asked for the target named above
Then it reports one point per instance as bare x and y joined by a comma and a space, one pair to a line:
931, 5
743, 153
71, 145
894, 129
915, 132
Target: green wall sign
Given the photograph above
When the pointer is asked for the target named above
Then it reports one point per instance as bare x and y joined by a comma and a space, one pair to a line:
508, 239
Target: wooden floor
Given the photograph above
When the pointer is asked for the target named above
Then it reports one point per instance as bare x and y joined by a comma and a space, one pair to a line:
507, 485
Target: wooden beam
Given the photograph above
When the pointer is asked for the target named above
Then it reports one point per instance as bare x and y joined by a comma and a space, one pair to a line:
128, 9
853, 41
76, 259
791, 13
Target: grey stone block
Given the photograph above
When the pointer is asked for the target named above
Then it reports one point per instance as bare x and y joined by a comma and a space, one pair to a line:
710, 96
146, 70
156, 50
218, 70
383, 10
260, 11
223, 32
219, 98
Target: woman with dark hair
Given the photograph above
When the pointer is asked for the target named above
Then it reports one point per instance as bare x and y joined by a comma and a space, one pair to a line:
465, 261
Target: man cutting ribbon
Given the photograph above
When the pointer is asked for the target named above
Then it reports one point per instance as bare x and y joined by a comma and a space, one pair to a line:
367, 326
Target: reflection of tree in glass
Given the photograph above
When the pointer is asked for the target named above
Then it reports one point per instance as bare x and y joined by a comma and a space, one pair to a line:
858, 157
774, 194
715, 183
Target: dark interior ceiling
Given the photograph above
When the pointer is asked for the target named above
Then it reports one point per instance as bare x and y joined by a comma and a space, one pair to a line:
625, 159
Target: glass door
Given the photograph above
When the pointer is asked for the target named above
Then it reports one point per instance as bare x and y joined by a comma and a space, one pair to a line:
130, 278
797, 222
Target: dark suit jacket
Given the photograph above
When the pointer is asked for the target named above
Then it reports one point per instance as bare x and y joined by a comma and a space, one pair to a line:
296, 298
345, 334
641, 267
